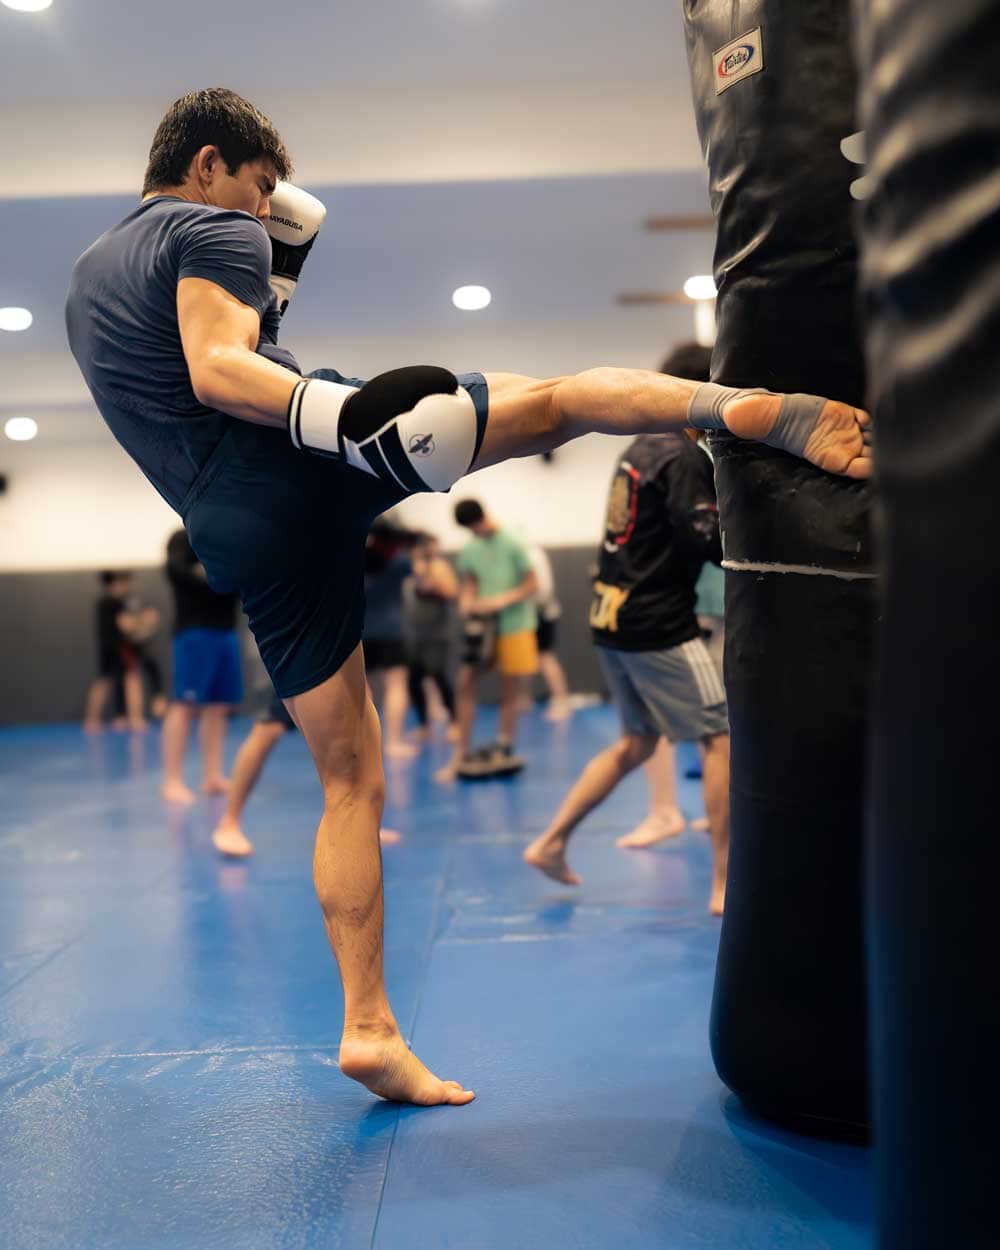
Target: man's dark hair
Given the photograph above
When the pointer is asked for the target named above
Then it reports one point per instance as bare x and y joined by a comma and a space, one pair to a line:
468, 512
108, 576
215, 116
689, 360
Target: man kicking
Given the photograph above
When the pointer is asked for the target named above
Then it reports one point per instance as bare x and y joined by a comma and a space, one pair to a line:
277, 477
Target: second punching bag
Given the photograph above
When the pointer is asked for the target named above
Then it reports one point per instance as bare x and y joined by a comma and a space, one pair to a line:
774, 95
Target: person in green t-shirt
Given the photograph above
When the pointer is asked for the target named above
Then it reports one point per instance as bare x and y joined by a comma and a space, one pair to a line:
497, 589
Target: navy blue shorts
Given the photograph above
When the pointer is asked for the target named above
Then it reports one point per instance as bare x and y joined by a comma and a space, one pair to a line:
276, 714
286, 530
207, 666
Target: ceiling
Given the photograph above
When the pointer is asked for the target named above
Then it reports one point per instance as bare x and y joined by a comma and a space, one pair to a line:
504, 142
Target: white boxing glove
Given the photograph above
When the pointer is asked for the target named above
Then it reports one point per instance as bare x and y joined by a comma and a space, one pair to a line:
413, 427
293, 225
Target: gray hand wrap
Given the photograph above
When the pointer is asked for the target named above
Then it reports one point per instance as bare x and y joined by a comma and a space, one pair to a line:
796, 421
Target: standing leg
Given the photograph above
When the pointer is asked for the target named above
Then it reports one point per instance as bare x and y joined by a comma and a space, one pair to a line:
512, 687
228, 837
176, 728
664, 819
418, 696
598, 779
555, 678
715, 772
468, 695
394, 710
97, 701
132, 679
341, 728
213, 738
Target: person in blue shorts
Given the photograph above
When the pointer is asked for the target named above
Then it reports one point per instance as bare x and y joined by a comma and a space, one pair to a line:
173, 317
207, 676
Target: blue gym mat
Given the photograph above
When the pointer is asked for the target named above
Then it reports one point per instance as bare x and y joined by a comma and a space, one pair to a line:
169, 1025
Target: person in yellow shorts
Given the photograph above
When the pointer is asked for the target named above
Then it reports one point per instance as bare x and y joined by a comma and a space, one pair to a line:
496, 601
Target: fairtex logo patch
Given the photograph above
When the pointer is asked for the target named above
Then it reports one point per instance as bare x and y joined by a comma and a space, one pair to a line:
422, 445
735, 61
738, 60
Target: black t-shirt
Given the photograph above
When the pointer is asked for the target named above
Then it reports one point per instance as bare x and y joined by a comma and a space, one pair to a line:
109, 636
196, 604
662, 525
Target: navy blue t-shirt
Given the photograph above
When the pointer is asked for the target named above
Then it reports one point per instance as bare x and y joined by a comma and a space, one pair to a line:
121, 318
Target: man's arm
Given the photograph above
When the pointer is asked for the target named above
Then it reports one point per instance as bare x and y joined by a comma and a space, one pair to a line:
219, 336
526, 589
468, 592
440, 579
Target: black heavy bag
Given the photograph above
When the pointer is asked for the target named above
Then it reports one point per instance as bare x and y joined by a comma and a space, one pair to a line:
774, 89
931, 96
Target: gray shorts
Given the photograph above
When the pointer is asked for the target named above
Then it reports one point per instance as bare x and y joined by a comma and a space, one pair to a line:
677, 692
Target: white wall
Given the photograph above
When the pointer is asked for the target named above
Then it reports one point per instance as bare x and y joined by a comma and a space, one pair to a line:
78, 507
559, 504
88, 506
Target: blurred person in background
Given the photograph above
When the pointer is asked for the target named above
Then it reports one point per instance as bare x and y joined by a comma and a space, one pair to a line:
497, 588
662, 524
116, 628
207, 676
387, 566
430, 616
147, 625
549, 610
664, 818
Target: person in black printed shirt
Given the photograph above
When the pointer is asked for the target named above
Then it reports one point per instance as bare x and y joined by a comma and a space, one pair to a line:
662, 525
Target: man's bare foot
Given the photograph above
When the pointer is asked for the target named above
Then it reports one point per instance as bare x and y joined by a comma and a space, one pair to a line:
386, 1066
93, 727
139, 726
230, 840
216, 785
548, 855
700, 824
840, 442
717, 899
558, 710
389, 837
400, 750
177, 792
655, 828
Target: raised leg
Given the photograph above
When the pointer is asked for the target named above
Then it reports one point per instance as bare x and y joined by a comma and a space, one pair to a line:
213, 739
228, 837
396, 702
341, 727
596, 782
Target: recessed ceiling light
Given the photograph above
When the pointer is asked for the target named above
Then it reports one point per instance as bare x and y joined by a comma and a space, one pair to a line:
471, 298
28, 6
21, 429
701, 286
15, 319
